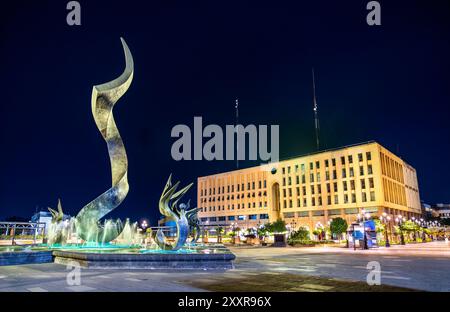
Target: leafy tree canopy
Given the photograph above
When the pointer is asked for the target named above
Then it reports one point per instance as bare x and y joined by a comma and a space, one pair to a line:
278, 226
338, 226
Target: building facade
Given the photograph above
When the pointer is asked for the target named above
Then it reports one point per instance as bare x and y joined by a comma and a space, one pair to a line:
442, 210
43, 217
312, 189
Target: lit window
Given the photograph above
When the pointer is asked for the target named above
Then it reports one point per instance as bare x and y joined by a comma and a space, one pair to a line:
360, 157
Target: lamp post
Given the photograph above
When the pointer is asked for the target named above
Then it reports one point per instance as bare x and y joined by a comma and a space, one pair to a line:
385, 219
364, 217
329, 228
413, 219
399, 221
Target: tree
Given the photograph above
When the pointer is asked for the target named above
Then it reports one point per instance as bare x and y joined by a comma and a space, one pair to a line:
338, 226
278, 226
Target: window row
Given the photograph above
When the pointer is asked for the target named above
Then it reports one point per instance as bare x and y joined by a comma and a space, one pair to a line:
239, 187
231, 197
262, 216
317, 177
327, 162
320, 213
330, 200
317, 189
232, 206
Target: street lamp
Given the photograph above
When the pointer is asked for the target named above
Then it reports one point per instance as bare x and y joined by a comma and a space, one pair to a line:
399, 221
144, 225
364, 217
384, 218
329, 228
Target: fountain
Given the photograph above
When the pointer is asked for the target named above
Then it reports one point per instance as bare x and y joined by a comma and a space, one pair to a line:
92, 242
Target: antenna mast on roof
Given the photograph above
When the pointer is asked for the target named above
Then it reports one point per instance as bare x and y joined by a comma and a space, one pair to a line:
316, 114
237, 123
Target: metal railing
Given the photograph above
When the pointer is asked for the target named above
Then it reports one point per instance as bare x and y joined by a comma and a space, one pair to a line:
11, 229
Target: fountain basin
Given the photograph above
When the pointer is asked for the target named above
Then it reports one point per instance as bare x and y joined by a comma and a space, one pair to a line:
222, 260
18, 255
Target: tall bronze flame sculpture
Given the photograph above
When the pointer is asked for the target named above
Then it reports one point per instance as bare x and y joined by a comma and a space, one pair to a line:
104, 97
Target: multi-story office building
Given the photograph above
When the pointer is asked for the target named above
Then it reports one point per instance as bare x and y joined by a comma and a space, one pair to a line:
442, 210
312, 189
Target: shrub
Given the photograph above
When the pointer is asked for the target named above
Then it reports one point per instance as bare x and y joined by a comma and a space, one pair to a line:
301, 234
293, 242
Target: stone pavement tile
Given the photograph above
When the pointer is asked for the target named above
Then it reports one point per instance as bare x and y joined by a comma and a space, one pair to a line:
41, 276
132, 279
359, 267
395, 277
37, 289
80, 288
304, 289
316, 286
303, 269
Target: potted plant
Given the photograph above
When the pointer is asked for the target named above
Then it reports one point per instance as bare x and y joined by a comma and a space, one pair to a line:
250, 236
235, 238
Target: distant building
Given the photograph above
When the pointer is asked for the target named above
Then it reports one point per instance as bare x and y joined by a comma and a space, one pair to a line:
43, 217
427, 211
313, 188
443, 210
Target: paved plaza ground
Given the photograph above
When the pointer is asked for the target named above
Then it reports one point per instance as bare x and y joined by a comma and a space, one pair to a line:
415, 266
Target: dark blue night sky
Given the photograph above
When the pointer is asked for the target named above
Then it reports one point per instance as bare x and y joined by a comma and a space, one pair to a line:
387, 83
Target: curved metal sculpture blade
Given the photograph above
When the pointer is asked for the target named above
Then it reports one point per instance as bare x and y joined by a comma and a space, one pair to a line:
57, 215
168, 207
104, 97
56, 228
194, 224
